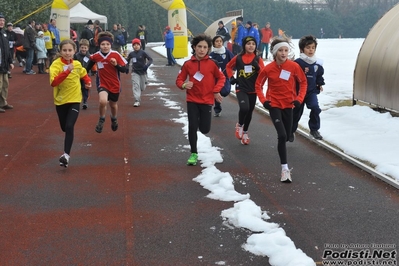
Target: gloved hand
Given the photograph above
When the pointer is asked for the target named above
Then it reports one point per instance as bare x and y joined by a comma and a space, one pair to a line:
127, 71
267, 105
233, 81
296, 103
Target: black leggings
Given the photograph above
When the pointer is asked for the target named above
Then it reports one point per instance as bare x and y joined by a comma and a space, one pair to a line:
67, 115
282, 121
199, 117
246, 103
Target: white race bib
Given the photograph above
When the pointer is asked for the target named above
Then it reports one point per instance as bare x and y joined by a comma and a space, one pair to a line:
285, 74
248, 69
198, 76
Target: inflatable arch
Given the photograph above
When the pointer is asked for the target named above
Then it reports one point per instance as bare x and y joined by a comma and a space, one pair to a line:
177, 20
60, 12
376, 75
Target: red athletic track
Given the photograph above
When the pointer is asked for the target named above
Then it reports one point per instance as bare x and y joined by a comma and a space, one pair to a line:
129, 199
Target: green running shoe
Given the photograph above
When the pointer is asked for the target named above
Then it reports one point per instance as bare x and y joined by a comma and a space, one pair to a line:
193, 159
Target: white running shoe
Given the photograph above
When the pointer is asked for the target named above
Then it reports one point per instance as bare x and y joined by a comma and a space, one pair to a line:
286, 176
239, 130
136, 104
64, 160
245, 139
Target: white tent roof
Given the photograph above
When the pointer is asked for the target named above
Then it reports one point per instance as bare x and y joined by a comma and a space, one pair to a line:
81, 14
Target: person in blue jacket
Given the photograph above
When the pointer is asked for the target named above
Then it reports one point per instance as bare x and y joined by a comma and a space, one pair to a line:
252, 31
169, 44
222, 55
314, 72
240, 34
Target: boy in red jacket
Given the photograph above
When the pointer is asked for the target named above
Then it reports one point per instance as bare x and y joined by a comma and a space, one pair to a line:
197, 76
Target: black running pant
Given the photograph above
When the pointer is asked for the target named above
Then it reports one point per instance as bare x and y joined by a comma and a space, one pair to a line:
282, 121
199, 117
67, 115
246, 102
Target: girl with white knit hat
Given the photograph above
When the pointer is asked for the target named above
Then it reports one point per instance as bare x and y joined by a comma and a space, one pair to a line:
282, 75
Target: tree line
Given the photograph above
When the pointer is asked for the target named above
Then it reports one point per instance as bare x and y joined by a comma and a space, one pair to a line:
344, 18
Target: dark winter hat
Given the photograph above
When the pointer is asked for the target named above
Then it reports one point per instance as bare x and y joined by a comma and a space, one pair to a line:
240, 19
221, 22
247, 39
249, 23
136, 41
89, 22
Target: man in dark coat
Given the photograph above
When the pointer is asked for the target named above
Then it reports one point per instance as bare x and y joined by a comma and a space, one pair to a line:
5, 65
12, 38
30, 46
224, 32
88, 34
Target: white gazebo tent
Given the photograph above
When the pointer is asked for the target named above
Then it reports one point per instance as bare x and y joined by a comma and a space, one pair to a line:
81, 14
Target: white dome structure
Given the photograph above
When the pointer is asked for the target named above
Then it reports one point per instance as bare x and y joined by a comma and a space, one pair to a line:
376, 75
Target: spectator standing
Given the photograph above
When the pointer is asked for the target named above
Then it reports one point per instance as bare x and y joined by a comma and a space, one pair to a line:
169, 44
267, 35
117, 45
240, 34
38, 27
232, 35
74, 36
88, 34
12, 38
141, 34
29, 46
53, 28
5, 65
141, 61
223, 32
252, 31
97, 29
41, 52
126, 36
48, 38
20, 55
